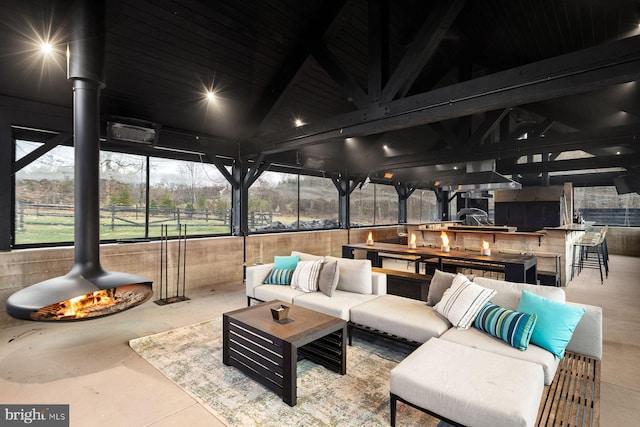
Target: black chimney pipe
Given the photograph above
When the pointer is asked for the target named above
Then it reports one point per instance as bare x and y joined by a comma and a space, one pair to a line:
85, 67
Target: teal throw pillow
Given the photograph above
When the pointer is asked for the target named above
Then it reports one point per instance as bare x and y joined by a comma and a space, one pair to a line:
556, 321
510, 326
279, 276
286, 262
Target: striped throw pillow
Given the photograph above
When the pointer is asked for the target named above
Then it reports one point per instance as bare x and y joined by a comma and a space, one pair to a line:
305, 276
462, 301
510, 326
279, 276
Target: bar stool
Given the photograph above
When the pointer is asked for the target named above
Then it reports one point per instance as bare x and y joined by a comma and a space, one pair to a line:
590, 242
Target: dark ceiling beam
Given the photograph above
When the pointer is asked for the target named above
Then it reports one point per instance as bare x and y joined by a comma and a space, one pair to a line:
507, 167
323, 26
347, 82
577, 180
421, 49
378, 48
615, 136
491, 122
573, 73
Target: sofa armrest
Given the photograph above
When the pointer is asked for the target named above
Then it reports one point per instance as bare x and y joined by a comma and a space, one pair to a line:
587, 337
256, 275
379, 283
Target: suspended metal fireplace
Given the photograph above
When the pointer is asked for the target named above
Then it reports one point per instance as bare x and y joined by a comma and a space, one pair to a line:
87, 291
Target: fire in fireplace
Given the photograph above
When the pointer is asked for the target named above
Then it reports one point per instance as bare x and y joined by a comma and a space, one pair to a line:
95, 304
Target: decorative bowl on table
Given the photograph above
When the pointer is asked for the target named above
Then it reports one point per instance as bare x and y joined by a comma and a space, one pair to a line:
280, 312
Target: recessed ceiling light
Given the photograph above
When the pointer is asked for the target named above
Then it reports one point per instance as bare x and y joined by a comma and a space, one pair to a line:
298, 123
385, 146
211, 96
617, 153
46, 48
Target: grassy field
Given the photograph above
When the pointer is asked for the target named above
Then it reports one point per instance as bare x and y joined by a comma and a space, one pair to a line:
62, 231
53, 229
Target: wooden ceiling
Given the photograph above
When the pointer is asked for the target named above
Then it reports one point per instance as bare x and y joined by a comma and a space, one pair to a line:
411, 87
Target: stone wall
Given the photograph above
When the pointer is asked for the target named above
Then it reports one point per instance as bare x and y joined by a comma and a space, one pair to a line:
209, 262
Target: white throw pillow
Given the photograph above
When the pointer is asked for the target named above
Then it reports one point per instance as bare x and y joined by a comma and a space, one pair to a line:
305, 277
461, 303
355, 275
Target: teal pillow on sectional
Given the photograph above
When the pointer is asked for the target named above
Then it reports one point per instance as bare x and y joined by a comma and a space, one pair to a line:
279, 276
556, 321
510, 326
285, 262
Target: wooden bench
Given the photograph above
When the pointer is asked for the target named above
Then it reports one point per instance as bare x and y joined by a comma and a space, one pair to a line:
573, 398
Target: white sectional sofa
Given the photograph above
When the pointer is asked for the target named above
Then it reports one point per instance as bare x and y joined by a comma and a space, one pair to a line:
523, 373
357, 284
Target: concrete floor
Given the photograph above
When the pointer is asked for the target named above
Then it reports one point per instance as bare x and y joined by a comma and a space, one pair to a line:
90, 366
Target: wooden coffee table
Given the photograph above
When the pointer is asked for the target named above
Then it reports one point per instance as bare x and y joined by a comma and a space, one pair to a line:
268, 350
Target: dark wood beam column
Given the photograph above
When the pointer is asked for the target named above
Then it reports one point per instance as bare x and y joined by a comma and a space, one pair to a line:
404, 191
239, 200
341, 182
6, 185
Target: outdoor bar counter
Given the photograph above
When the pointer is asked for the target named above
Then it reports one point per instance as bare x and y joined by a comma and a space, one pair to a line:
517, 268
553, 246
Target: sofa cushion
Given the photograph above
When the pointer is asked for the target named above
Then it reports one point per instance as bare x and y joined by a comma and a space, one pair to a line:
440, 282
355, 275
307, 257
556, 321
305, 277
285, 262
477, 339
404, 317
462, 301
279, 276
337, 305
279, 292
510, 326
469, 386
509, 293
328, 278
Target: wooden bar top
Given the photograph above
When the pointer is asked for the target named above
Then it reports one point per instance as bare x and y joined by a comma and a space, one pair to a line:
454, 254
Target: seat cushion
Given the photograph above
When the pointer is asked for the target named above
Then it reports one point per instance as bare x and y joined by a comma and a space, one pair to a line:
469, 386
280, 292
404, 317
483, 341
337, 305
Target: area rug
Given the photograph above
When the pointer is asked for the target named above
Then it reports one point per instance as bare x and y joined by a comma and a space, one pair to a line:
191, 357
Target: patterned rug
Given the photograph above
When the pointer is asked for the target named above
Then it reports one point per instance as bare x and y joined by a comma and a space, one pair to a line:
191, 357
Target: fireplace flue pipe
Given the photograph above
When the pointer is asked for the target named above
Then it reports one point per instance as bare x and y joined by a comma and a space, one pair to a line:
85, 66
